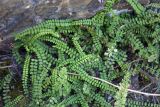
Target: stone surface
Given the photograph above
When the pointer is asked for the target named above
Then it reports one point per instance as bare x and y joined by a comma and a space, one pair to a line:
18, 14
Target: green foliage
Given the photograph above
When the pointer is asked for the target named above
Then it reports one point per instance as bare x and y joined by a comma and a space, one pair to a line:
25, 74
6, 89
14, 102
7, 98
122, 93
131, 103
136, 6
66, 63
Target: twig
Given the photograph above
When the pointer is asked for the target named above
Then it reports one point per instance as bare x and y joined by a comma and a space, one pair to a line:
10, 66
145, 86
130, 90
2, 62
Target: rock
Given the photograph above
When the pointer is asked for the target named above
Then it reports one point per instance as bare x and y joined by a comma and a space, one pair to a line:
18, 14
124, 5
155, 1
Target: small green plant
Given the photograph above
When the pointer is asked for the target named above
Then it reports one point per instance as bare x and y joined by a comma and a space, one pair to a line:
72, 63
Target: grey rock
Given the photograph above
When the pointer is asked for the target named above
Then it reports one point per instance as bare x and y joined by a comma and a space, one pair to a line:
16, 15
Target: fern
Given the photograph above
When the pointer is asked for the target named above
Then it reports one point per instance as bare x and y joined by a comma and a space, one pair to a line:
25, 75
6, 89
14, 102
136, 6
70, 62
122, 93
132, 103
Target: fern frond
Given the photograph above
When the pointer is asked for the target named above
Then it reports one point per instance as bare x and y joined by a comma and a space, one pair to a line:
77, 46
100, 100
6, 89
14, 102
25, 74
132, 103
122, 93
136, 6
74, 99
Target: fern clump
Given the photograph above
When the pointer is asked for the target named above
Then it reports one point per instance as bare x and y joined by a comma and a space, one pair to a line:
72, 63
